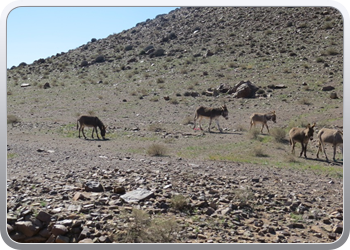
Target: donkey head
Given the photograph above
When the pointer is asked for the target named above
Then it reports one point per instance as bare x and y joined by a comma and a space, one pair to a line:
224, 111
309, 132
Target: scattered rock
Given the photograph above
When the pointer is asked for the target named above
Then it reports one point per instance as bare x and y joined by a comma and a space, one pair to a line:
136, 195
93, 186
328, 88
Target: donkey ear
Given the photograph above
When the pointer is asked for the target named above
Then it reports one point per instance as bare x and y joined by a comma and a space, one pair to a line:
314, 124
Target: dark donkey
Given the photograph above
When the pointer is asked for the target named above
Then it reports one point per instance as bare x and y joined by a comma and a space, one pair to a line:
211, 113
91, 121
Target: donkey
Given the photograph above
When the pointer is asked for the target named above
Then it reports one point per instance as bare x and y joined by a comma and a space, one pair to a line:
262, 118
91, 121
330, 136
210, 113
302, 135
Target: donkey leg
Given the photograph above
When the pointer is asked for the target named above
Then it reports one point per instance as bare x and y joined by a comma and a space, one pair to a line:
305, 150
200, 123
209, 125
82, 130
92, 134
97, 133
334, 152
324, 151
267, 128
302, 150
217, 123
293, 145
318, 150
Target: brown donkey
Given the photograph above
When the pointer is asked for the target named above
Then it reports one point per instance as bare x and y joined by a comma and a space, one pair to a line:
262, 118
91, 121
302, 135
330, 136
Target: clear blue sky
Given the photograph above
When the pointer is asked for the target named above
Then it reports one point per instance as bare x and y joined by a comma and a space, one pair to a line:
40, 32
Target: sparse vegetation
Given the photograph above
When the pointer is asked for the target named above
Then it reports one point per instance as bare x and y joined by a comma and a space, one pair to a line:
157, 150
144, 229
179, 202
12, 119
278, 134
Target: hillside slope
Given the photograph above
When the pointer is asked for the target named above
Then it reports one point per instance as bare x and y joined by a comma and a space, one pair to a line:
145, 84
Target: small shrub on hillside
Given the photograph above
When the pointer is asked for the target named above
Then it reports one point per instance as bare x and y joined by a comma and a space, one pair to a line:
179, 202
319, 60
144, 229
187, 120
259, 152
278, 134
11, 119
160, 80
174, 101
128, 47
100, 59
91, 112
243, 195
253, 133
156, 150
155, 127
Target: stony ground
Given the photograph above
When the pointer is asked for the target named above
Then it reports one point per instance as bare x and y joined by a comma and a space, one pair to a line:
71, 190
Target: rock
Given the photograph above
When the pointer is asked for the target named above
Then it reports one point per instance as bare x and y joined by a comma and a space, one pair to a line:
119, 190
59, 229
23, 85
27, 228
87, 240
338, 229
44, 217
333, 95
136, 195
62, 239
85, 233
327, 88
209, 53
93, 186
244, 90
47, 85
280, 86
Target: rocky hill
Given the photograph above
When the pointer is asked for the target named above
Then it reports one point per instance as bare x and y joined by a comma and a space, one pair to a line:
156, 176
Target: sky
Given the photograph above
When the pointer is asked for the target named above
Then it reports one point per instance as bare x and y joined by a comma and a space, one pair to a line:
40, 32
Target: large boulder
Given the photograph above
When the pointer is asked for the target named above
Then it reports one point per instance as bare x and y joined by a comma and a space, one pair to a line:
244, 89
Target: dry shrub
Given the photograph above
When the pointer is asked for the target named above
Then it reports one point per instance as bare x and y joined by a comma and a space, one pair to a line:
187, 120
155, 127
253, 134
156, 150
179, 202
278, 134
259, 152
243, 195
144, 229
11, 119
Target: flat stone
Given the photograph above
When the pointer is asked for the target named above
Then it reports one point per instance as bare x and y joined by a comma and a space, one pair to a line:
136, 195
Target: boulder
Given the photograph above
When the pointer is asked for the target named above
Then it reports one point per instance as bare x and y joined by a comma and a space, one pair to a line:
244, 90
